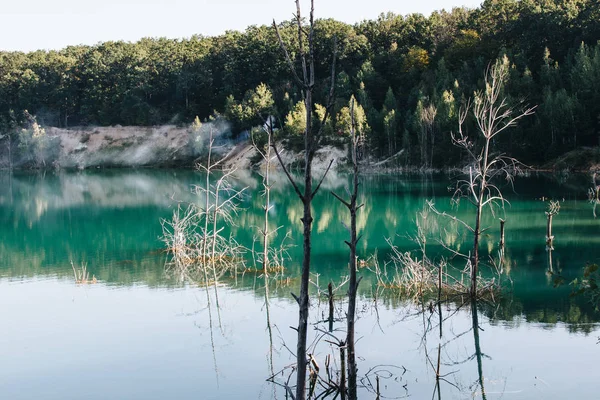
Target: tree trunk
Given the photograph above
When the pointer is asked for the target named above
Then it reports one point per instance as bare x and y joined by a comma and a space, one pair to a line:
475, 257
502, 234
353, 282
549, 237
352, 289
477, 231
342, 372
304, 281
306, 84
267, 188
330, 295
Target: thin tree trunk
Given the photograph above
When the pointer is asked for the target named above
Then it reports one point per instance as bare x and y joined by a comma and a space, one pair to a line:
352, 290
477, 231
353, 282
330, 294
342, 372
213, 257
502, 242
475, 257
303, 300
549, 237
267, 208
206, 205
306, 82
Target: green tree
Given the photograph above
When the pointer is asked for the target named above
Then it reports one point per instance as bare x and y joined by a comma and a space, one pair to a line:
344, 119
295, 121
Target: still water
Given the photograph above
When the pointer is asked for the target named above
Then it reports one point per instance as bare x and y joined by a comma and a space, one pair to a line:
140, 334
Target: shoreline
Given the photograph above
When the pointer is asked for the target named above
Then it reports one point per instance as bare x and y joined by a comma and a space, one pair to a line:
170, 146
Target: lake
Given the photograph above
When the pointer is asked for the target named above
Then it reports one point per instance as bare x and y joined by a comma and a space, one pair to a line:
139, 333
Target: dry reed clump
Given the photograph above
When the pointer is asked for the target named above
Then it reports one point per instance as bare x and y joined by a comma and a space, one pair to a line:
81, 275
195, 253
284, 282
407, 275
194, 237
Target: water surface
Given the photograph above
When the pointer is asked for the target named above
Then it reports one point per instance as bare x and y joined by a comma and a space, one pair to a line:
139, 333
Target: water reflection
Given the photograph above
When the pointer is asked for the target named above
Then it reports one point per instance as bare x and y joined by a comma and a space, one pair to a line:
109, 220
478, 353
163, 342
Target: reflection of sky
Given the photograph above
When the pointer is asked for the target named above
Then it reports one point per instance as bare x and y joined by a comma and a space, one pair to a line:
62, 341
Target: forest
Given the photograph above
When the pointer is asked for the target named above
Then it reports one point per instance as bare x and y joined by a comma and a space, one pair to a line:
408, 75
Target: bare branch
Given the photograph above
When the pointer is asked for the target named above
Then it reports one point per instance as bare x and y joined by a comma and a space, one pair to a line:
296, 188
452, 217
322, 178
344, 202
287, 56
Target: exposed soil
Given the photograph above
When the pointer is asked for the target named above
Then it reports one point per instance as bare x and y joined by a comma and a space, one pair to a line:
122, 146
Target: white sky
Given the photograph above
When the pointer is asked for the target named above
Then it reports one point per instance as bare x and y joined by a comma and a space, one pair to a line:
28, 25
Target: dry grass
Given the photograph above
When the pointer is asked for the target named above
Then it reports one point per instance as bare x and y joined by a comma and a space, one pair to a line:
81, 275
195, 253
412, 277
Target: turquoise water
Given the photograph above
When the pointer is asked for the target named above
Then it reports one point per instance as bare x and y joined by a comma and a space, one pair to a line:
138, 333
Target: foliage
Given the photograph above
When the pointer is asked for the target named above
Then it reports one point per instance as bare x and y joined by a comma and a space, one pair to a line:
344, 119
552, 48
588, 285
295, 121
256, 105
35, 148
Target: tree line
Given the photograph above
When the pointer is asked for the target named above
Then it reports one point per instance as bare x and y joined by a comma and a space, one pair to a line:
407, 76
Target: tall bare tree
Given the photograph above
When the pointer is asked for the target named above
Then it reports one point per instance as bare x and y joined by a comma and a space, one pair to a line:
353, 282
306, 82
493, 115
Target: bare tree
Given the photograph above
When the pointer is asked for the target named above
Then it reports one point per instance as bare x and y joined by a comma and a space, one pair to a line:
492, 115
353, 283
306, 82
267, 155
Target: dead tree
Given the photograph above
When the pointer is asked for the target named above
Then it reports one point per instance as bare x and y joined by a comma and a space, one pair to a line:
492, 115
266, 155
306, 82
353, 283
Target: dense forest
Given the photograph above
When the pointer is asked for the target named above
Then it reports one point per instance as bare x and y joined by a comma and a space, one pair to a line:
408, 74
